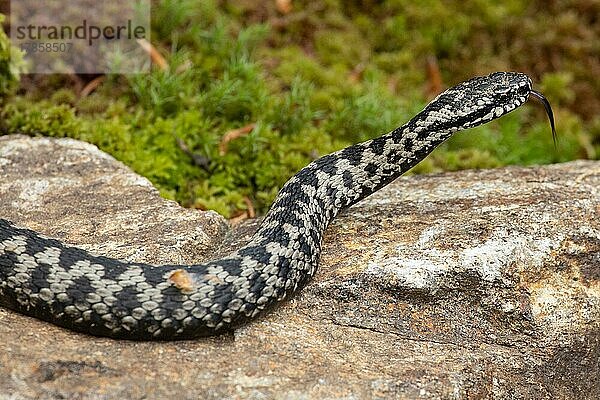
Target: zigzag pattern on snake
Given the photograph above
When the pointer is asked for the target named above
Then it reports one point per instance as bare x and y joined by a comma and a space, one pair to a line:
67, 286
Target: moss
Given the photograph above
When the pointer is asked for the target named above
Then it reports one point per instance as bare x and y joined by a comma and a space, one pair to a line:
294, 111
558, 86
63, 96
306, 83
42, 118
12, 64
239, 95
94, 104
332, 48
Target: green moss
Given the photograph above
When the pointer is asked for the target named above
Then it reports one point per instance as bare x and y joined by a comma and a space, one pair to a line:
164, 92
558, 87
328, 74
332, 48
11, 64
239, 95
94, 104
293, 112
63, 96
42, 118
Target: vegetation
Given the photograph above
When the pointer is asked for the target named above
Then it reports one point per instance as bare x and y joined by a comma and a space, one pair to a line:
11, 65
288, 81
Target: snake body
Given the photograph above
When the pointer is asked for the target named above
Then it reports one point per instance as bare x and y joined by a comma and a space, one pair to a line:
72, 288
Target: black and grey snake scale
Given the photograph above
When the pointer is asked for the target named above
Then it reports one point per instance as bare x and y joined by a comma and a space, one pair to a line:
67, 286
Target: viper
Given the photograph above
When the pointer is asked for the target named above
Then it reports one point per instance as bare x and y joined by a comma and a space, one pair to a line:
69, 287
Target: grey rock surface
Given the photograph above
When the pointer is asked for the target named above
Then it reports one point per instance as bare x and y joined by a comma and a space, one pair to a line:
72, 191
468, 285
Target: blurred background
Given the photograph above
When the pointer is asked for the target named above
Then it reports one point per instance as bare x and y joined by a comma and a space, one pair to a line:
242, 93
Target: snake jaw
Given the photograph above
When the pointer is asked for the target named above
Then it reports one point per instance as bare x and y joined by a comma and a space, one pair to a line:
541, 98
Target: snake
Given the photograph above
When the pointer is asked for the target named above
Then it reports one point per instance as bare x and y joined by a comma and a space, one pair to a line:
67, 286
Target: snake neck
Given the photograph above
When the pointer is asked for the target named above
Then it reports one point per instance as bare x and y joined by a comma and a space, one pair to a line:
310, 200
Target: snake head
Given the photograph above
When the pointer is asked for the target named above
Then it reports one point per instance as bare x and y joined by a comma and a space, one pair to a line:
480, 100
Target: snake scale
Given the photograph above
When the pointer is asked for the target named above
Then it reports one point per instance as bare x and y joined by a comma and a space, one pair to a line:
69, 287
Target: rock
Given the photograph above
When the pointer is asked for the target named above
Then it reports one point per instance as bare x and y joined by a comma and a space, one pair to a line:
475, 284
72, 191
